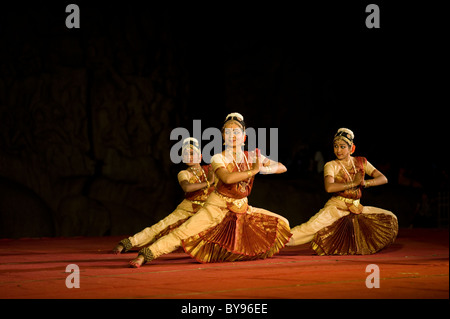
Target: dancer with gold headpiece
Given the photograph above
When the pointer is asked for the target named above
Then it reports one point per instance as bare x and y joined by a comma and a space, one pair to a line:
344, 226
197, 182
226, 228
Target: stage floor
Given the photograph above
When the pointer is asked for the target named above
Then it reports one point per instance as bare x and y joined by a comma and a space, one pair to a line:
415, 266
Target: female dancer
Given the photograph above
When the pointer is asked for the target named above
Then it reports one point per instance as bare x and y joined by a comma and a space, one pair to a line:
227, 228
344, 226
197, 183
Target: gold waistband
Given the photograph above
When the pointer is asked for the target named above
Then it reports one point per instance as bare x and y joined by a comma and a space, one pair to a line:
197, 202
237, 202
349, 200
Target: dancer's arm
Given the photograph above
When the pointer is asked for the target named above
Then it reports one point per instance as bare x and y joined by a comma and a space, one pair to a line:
272, 167
332, 187
235, 177
268, 166
188, 187
377, 180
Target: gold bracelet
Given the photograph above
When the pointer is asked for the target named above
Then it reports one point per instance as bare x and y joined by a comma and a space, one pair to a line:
249, 172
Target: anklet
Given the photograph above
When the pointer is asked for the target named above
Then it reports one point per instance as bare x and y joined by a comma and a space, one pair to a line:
147, 254
126, 243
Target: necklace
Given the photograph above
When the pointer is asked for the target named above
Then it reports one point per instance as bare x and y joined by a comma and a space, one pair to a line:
238, 154
196, 170
348, 174
242, 184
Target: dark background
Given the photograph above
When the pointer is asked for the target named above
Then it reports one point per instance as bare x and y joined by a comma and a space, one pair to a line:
86, 114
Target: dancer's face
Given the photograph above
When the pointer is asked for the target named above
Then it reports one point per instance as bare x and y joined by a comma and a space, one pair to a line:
233, 135
341, 150
191, 157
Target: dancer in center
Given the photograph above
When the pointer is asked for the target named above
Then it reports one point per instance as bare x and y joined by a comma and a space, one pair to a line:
226, 228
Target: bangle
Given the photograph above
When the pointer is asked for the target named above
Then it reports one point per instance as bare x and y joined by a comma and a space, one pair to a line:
249, 172
207, 184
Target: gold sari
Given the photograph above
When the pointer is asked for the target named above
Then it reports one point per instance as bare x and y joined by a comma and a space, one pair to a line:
344, 226
226, 228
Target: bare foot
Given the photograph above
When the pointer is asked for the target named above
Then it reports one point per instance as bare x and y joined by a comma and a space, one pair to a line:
118, 249
137, 262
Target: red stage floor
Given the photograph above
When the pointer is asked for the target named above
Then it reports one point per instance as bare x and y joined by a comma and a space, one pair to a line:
416, 266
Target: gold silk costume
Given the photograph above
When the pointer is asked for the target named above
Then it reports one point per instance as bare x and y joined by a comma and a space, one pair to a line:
226, 228
190, 205
344, 226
